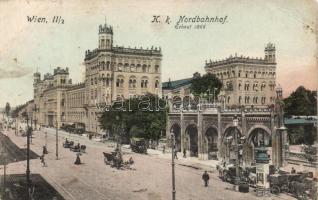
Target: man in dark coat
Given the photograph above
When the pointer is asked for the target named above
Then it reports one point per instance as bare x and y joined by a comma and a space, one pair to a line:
206, 178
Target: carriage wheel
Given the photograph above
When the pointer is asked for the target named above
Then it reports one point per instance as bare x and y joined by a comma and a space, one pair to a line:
285, 188
275, 189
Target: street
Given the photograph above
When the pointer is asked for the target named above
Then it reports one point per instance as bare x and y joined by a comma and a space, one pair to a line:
149, 180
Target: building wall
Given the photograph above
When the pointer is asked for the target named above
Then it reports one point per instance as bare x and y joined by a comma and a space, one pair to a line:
110, 72
113, 72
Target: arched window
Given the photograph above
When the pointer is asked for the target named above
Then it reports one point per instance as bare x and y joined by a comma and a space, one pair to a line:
156, 84
107, 80
121, 82
107, 65
142, 84
144, 68
103, 79
134, 83
263, 86
240, 100
130, 83
138, 66
240, 86
157, 68
103, 65
247, 86
126, 67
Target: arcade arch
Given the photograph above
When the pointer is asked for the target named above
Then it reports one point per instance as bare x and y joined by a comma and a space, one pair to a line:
192, 139
177, 134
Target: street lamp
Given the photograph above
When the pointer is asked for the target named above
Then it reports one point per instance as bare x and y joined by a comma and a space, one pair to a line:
173, 166
57, 139
214, 95
228, 145
281, 131
235, 124
29, 131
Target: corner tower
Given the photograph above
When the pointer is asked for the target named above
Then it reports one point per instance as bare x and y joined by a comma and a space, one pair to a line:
270, 52
105, 35
36, 77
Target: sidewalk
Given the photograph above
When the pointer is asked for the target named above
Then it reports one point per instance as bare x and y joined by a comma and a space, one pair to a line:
194, 162
209, 165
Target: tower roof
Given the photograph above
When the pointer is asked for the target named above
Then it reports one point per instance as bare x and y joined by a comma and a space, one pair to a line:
105, 29
270, 47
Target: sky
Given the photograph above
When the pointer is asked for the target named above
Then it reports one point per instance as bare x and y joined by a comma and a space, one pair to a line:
26, 47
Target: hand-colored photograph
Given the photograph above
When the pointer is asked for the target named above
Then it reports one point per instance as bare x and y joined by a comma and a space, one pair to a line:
158, 100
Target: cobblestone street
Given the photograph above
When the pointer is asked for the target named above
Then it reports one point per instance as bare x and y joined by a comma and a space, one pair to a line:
150, 178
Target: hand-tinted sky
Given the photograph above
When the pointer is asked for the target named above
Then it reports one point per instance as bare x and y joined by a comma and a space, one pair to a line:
24, 46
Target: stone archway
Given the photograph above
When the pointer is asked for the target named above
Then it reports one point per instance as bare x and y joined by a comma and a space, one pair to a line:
192, 137
256, 135
177, 133
211, 141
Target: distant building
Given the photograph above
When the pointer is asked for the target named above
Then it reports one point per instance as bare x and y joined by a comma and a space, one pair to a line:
176, 88
247, 81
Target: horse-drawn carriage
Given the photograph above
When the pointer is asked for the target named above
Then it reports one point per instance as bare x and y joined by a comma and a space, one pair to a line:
68, 144
138, 145
300, 185
78, 148
227, 173
115, 159
75, 148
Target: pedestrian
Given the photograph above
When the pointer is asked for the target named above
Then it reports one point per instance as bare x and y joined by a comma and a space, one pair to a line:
78, 159
293, 171
44, 150
131, 161
43, 161
206, 178
184, 153
164, 149
175, 154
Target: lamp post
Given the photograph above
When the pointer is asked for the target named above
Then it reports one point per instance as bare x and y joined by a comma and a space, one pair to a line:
57, 139
29, 130
173, 166
214, 95
228, 146
237, 172
281, 131
4, 154
45, 138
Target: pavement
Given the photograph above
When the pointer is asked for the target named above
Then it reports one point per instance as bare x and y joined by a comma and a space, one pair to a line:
149, 178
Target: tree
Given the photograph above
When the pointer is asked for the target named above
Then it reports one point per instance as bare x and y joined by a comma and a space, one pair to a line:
139, 117
301, 102
16, 110
205, 84
7, 109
